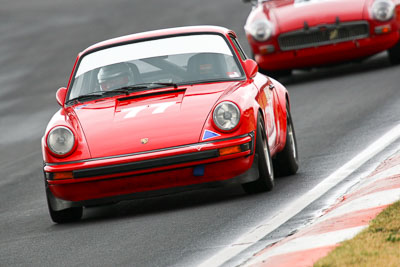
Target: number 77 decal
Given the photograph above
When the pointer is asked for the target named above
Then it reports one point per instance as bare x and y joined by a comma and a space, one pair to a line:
158, 108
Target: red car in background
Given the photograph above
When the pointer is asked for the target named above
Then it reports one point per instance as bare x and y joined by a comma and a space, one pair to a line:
292, 34
164, 111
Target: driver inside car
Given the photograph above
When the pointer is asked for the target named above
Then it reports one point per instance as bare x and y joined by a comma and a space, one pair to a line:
115, 76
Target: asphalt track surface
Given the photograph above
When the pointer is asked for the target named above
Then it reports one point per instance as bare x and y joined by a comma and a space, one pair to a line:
337, 112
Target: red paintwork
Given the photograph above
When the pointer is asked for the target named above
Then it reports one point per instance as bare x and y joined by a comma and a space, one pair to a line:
287, 16
129, 184
251, 67
107, 120
103, 128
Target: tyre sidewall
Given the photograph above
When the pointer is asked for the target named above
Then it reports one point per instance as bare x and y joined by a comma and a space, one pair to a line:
264, 156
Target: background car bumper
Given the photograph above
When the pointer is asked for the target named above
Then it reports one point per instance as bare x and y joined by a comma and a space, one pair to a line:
327, 54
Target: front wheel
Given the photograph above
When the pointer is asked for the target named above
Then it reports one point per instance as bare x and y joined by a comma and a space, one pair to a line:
394, 54
66, 215
286, 161
265, 182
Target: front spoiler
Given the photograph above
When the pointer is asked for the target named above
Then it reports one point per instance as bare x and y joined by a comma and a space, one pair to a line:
58, 204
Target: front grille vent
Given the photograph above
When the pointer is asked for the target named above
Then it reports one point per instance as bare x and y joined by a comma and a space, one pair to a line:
323, 35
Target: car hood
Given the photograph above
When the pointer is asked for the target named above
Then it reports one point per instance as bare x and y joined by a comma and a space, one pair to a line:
148, 121
292, 16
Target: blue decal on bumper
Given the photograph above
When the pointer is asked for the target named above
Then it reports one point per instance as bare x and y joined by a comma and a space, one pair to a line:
198, 170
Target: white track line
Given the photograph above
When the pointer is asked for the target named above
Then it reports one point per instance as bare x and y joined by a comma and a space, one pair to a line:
309, 242
368, 201
270, 224
382, 174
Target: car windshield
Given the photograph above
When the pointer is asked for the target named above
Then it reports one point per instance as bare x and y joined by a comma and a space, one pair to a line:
185, 59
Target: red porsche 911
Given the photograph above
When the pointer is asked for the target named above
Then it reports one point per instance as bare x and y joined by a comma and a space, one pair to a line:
296, 34
160, 112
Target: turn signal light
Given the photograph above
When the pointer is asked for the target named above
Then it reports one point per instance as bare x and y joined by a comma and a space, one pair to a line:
383, 29
229, 150
62, 175
267, 49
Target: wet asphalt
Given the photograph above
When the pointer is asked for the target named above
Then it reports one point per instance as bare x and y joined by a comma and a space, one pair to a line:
336, 111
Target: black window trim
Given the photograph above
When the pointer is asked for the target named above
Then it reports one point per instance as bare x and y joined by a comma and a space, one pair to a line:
236, 43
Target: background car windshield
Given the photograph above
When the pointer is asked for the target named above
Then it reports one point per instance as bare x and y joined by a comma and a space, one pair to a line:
182, 59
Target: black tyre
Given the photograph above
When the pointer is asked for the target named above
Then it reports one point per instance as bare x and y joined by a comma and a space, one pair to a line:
394, 54
65, 216
286, 161
265, 182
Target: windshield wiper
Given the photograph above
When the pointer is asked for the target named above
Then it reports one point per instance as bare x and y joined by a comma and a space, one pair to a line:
157, 83
131, 88
126, 90
89, 96
166, 84
98, 94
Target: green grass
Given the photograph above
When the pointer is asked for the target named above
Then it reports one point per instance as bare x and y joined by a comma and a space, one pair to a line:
378, 245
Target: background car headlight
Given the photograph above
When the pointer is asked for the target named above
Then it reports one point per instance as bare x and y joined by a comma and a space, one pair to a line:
383, 10
261, 30
61, 140
226, 116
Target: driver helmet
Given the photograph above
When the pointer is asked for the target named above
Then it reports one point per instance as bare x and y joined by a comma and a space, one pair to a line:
115, 76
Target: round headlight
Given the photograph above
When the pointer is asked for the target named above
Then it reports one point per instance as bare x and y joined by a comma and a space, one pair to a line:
226, 116
383, 10
261, 30
60, 140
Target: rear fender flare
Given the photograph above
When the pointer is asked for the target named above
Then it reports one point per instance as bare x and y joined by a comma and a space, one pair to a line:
283, 100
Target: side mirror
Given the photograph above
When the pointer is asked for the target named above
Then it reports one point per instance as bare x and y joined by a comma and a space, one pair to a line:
251, 67
61, 95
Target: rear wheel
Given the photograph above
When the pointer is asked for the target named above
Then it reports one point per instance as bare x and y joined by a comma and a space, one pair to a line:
265, 182
286, 161
394, 54
64, 216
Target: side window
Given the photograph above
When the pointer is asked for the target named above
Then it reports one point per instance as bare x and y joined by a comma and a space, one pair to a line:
238, 48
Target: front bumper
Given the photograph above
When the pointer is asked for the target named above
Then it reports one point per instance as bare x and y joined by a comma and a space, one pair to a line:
111, 179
